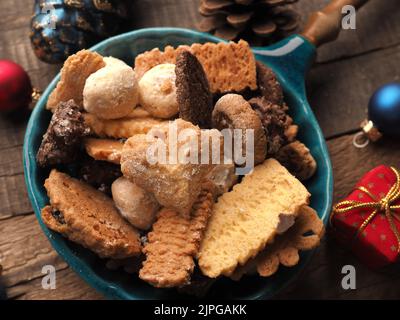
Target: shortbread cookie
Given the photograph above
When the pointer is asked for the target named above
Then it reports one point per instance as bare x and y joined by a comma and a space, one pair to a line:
228, 66
149, 59
104, 149
174, 242
77, 68
245, 219
193, 92
135, 205
305, 234
234, 112
158, 91
111, 92
174, 183
268, 84
139, 112
119, 128
297, 158
61, 142
88, 217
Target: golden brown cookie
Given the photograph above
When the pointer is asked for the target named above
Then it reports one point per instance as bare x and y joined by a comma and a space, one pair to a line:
174, 242
139, 112
228, 66
296, 157
305, 234
192, 91
104, 149
77, 68
119, 128
286, 248
234, 112
245, 219
149, 59
174, 184
291, 132
87, 216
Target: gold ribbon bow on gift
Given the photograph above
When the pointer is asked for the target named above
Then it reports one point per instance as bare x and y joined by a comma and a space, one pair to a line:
384, 205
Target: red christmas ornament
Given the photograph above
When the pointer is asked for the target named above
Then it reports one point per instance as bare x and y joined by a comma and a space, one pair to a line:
15, 87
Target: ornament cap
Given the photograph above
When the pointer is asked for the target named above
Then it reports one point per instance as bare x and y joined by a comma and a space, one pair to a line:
370, 130
36, 94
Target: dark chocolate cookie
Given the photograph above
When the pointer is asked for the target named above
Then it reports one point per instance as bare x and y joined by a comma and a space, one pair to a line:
99, 174
62, 139
268, 84
193, 91
275, 121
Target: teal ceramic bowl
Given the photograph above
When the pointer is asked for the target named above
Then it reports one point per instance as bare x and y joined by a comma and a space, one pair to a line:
290, 60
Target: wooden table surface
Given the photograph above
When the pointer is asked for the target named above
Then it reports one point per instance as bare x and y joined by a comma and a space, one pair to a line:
339, 86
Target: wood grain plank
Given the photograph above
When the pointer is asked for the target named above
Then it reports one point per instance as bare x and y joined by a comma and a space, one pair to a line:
68, 286
13, 196
339, 92
165, 13
11, 134
10, 163
322, 277
24, 250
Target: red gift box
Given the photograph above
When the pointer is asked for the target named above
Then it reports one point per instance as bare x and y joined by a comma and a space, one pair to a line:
368, 220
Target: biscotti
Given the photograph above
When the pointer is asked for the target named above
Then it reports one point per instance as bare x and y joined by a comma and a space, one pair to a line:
88, 217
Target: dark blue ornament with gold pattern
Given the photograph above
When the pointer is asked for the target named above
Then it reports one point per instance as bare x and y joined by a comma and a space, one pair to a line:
63, 27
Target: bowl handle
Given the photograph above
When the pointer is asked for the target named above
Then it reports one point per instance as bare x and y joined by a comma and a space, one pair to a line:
325, 25
290, 59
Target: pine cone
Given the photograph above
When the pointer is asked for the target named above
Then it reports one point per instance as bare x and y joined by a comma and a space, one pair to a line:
260, 22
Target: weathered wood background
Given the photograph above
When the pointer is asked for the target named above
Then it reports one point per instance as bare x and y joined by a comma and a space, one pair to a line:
339, 86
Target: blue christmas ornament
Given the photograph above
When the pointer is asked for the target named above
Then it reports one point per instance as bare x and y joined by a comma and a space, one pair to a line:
383, 116
384, 109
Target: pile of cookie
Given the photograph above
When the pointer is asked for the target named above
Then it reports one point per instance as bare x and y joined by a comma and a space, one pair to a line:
176, 224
